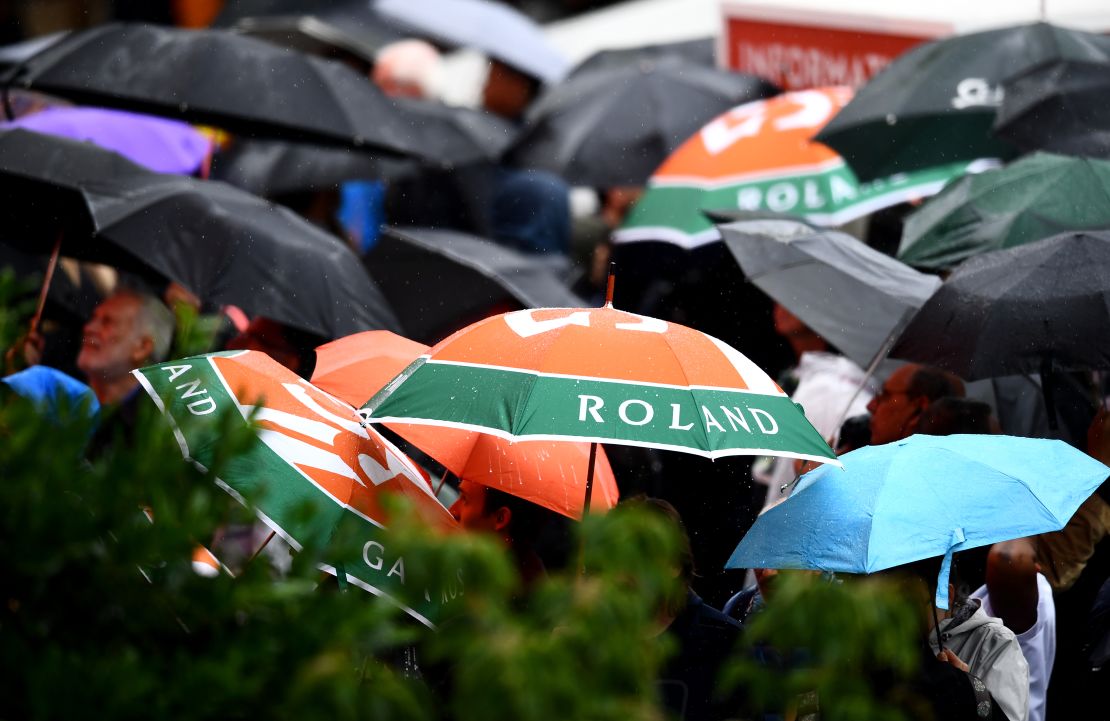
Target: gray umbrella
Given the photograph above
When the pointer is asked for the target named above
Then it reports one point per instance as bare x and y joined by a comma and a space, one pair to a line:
1040, 305
441, 280
498, 30
853, 296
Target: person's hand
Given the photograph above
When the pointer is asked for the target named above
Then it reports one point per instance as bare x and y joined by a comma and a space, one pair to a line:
25, 352
948, 656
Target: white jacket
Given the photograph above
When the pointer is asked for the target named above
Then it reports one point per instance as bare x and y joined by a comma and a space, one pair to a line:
992, 653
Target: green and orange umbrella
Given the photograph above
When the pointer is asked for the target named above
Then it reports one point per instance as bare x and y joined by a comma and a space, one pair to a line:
313, 472
760, 157
599, 375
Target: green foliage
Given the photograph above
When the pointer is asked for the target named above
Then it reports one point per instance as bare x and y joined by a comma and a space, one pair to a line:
102, 611
848, 647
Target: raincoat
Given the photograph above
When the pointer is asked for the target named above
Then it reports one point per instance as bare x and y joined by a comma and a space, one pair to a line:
992, 653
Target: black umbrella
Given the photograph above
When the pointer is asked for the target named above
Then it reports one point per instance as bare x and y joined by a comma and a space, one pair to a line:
613, 127
322, 37
224, 245
1041, 305
276, 167
243, 85
1059, 104
701, 51
933, 105
441, 280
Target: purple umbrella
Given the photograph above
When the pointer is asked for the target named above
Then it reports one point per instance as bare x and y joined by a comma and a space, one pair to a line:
164, 146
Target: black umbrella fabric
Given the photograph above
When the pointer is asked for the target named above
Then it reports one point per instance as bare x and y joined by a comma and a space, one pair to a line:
332, 39
1020, 310
246, 86
275, 167
701, 51
226, 246
613, 127
1059, 104
441, 280
933, 105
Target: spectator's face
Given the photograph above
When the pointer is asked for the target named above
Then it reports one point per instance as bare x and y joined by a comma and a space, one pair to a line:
113, 342
894, 413
470, 508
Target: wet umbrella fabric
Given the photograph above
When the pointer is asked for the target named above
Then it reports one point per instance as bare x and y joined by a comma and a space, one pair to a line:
314, 471
330, 36
440, 280
497, 30
1030, 199
600, 375
1058, 104
922, 497
614, 126
701, 51
164, 146
934, 104
1013, 310
276, 167
246, 86
551, 474
224, 245
831, 281
759, 157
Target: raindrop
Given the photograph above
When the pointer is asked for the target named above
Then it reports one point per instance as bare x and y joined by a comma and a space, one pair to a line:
891, 119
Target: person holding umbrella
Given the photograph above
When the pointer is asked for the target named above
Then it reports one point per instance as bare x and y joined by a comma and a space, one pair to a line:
896, 410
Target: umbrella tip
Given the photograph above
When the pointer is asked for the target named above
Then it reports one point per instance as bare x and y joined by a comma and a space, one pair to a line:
609, 283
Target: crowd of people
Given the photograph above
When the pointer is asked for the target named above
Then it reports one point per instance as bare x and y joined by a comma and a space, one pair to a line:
1025, 635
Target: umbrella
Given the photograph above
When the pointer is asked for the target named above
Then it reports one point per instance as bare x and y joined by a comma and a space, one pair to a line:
831, 281
164, 146
1058, 104
548, 473
331, 35
599, 375
1019, 310
1030, 199
275, 167
246, 86
224, 245
314, 470
700, 51
20, 52
759, 157
918, 498
440, 280
936, 103
613, 126
497, 30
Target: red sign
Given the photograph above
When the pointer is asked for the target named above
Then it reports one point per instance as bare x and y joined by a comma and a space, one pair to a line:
806, 56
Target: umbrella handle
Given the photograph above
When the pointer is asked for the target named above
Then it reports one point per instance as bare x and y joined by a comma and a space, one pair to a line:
50, 268
589, 479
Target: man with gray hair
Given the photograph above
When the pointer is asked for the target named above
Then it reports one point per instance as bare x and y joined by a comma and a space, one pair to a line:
128, 330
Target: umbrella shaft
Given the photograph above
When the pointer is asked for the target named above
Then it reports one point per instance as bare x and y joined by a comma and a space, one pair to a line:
589, 480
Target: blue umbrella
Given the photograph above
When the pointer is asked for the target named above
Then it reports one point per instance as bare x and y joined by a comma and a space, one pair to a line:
921, 497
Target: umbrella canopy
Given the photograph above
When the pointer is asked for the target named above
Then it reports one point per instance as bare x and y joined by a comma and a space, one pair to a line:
701, 51
614, 126
330, 35
214, 77
224, 245
276, 167
1030, 199
498, 30
759, 157
20, 52
548, 473
440, 280
1011, 311
314, 471
1058, 104
921, 497
831, 281
601, 375
164, 146
936, 103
